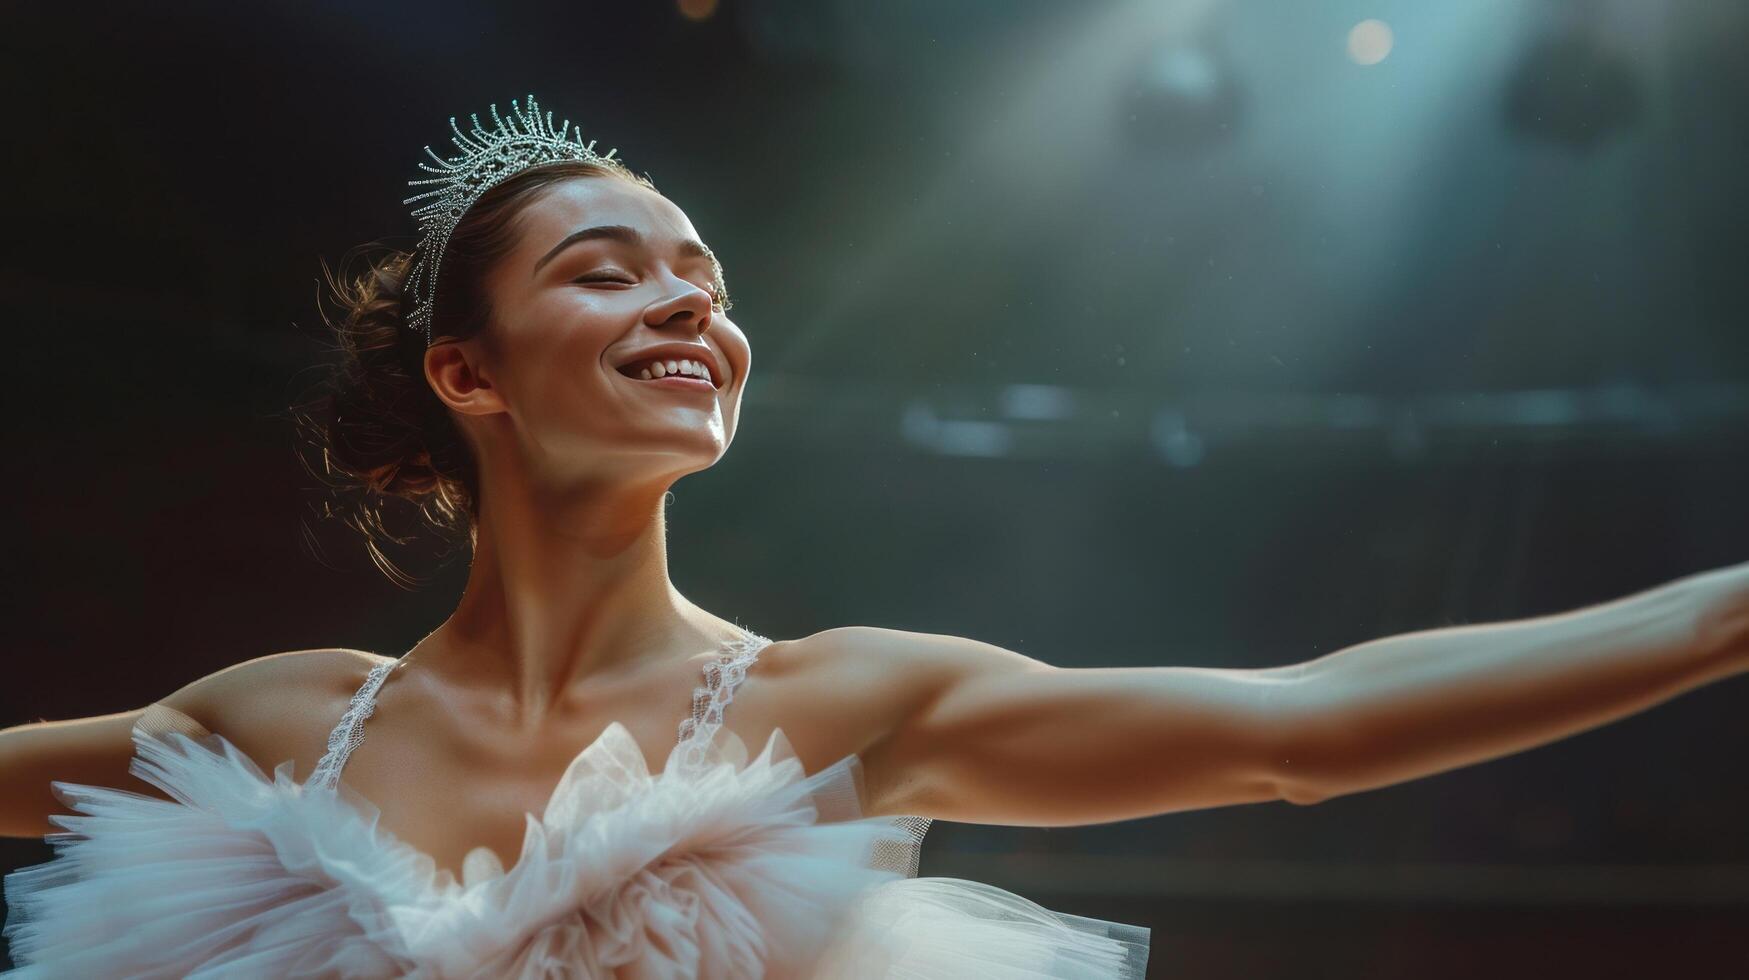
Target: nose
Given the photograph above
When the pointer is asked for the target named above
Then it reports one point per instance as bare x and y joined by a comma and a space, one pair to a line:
689, 304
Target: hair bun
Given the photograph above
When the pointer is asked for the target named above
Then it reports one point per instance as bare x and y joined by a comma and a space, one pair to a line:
376, 431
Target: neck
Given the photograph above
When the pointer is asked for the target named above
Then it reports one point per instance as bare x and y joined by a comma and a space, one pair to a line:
563, 589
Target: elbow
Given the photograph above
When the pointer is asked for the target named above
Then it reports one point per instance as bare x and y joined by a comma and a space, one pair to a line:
1299, 780
1306, 763
1301, 793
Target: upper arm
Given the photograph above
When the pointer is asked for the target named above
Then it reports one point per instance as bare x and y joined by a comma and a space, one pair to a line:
980, 734
97, 750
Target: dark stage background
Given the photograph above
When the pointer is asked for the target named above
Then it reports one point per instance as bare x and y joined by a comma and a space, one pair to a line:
1116, 333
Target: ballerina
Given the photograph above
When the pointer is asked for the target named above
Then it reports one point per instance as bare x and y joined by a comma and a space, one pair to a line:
431, 815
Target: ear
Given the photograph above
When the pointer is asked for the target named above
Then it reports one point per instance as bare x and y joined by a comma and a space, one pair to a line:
452, 369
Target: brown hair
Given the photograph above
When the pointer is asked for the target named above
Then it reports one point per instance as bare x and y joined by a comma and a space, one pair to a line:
375, 430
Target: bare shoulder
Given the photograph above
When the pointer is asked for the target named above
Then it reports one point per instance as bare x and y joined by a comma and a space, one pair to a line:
239, 690
279, 706
902, 659
274, 708
859, 684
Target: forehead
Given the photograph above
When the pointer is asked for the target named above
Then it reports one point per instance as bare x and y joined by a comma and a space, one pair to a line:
578, 202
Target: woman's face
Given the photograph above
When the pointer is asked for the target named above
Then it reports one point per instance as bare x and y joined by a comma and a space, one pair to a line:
607, 274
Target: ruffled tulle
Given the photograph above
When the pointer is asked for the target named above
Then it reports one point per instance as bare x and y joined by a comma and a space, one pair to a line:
736, 867
951, 927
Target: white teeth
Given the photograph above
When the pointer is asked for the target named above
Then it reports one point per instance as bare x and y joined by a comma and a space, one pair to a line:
687, 368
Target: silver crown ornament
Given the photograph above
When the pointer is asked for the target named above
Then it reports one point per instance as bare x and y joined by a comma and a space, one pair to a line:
525, 139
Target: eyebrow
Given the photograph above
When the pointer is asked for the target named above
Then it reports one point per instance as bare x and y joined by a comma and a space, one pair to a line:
690, 247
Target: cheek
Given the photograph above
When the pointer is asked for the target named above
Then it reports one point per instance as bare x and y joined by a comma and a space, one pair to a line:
555, 380
567, 337
736, 348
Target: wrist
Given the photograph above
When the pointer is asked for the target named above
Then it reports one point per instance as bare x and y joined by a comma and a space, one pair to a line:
1720, 599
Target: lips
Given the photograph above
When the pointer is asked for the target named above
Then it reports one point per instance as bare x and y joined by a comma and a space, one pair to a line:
678, 382
630, 364
656, 369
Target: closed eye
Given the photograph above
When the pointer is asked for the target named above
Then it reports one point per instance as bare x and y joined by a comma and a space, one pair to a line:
719, 295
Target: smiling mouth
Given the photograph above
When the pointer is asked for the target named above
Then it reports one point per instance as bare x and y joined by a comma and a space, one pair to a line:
657, 370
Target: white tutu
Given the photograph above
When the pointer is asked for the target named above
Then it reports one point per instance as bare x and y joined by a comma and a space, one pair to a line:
734, 868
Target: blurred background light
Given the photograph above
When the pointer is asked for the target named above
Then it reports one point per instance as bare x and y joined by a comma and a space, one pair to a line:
1369, 42
697, 9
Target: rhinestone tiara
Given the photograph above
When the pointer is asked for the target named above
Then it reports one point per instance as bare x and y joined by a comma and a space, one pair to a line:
525, 139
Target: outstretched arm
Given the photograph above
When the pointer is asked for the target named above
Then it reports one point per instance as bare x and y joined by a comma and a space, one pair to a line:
981, 734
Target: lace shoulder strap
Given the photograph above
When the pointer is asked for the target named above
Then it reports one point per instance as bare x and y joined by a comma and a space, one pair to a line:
349, 733
160, 719
722, 675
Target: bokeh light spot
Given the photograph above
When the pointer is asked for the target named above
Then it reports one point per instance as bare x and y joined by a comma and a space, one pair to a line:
697, 9
1369, 42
